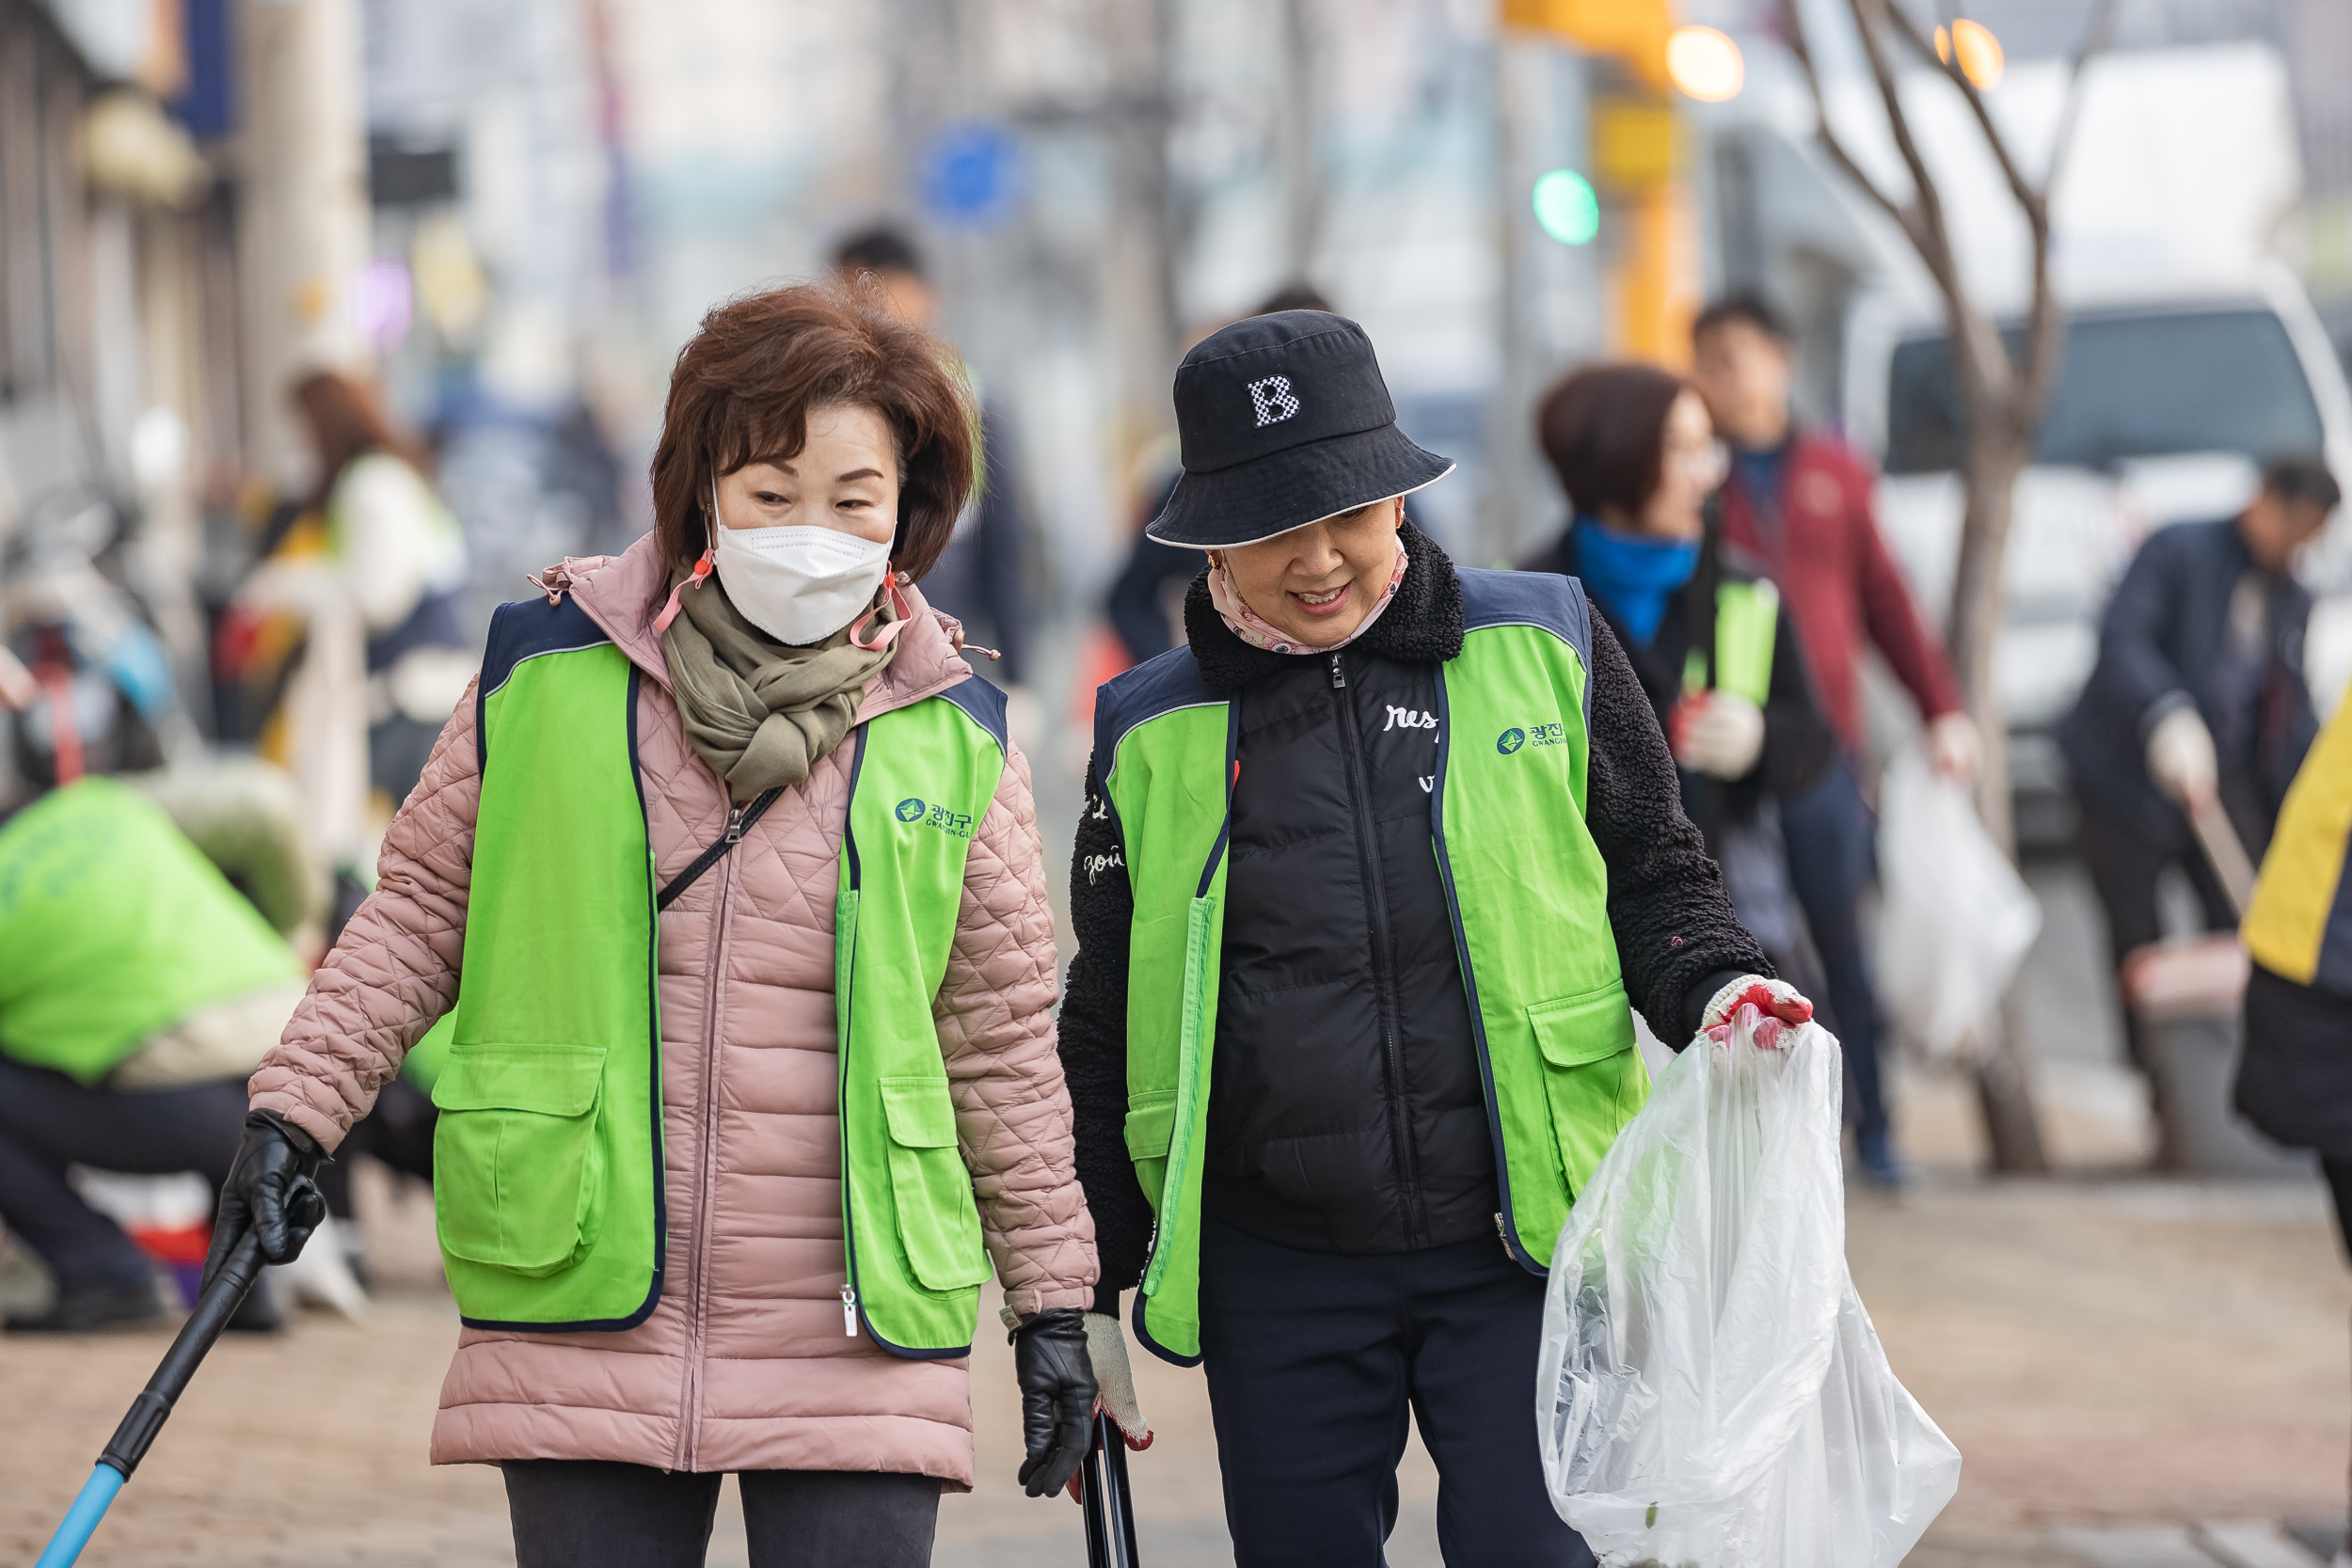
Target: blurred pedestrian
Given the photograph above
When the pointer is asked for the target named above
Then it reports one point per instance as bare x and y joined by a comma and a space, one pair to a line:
401, 558
2198, 699
752, 1072
1702, 624
1368, 878
1801, 503
2295, 1073
137, 991
983, 577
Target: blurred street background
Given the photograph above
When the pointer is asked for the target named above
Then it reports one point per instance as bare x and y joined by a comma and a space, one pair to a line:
493, 222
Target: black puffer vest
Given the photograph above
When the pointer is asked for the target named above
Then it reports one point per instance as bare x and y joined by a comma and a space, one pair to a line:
1347, 1112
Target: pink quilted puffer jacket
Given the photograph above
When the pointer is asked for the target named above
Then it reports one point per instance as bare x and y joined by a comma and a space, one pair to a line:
743, 1364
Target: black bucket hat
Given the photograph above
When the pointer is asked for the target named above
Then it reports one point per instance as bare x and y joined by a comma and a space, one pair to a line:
1284, 421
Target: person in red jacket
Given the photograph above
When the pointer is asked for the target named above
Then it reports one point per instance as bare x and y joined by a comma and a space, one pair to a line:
1800, 502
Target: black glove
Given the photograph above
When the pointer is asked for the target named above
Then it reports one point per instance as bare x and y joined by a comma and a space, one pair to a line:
269, 1190
1049, 1356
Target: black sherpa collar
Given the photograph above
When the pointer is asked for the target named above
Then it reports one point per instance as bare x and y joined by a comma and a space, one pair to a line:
1421, 626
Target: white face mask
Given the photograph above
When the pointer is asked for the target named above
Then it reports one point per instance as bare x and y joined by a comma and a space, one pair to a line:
800, 584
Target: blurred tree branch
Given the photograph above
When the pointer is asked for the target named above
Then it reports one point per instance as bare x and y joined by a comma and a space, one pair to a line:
2003, 395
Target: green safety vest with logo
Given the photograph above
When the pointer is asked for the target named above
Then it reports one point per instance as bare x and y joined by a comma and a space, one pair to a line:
1528, 892
113, 926
1746, 614
548, 1170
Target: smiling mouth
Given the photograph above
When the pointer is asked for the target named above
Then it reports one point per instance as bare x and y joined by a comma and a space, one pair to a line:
1323, 603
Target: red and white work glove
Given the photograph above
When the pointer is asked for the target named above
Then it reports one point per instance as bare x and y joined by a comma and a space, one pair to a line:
1114, 1384
1719, 734
1780, 1003
1955, 747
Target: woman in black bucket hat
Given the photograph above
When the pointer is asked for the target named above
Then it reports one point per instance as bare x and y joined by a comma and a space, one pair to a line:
1370, 879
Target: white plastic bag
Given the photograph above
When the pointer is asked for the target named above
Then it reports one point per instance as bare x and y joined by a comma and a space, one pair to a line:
1712, 1391
1955, 918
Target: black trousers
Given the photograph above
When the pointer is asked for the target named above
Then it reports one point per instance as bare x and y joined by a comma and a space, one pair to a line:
399, 1132
1316, 1361
48, 1121
599, 1513
2124, 866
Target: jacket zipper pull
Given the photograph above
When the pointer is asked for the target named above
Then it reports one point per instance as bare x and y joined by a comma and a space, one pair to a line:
1339, 676
848, 1310
735, 825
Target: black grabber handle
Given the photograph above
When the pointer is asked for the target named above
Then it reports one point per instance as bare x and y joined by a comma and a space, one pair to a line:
148, 1412
1111, 1522
213, 1310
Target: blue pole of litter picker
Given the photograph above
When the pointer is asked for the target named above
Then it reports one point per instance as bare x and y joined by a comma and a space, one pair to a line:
82, 1518
131, 1440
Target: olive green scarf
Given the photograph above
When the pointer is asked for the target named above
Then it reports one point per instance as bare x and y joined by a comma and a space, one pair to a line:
760, 713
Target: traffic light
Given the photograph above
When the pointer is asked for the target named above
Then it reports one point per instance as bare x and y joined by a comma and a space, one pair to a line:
1567, 208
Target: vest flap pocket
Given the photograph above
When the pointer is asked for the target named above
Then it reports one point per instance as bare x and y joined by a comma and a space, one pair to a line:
1150, 1123
939, 1225
516, 1162
1591, 1026
552, 1080
920, 1114
1594, 1079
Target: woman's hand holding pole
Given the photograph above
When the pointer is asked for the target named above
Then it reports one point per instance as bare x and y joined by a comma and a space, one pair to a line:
1058, 1391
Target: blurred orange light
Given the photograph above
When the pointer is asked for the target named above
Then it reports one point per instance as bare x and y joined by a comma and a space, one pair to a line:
1981, 58
1705, 64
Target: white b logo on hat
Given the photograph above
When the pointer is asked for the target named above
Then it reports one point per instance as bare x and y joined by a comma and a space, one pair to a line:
1273, 400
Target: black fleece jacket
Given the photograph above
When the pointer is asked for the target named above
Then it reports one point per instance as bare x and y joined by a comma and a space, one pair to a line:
1797, 741
1430, 1166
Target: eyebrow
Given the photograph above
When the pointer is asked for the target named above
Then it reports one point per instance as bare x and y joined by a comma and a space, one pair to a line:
859, 474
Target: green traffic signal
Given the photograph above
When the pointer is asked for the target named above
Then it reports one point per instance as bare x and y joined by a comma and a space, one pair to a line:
1566, 207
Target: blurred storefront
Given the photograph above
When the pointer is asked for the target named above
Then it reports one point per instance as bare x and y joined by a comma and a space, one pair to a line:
118, 343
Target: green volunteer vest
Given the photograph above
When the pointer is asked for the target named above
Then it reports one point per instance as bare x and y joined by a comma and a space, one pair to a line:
113, 926
1746, 616
548, 1174
1528, 892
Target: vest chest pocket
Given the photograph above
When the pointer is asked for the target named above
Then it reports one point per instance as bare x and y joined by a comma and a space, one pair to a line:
517, 1166
938, 1225
1592, 1076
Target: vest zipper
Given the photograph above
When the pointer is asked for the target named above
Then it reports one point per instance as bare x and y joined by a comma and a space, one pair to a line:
1504, 1222
1383, 954
848, 1310
698, 1278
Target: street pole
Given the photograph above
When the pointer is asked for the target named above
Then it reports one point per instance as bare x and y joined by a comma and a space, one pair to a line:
1302, 175
1502, 522
302, 162
1138, 264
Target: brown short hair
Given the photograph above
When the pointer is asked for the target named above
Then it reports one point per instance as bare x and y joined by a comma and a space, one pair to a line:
1604, 429
743, 385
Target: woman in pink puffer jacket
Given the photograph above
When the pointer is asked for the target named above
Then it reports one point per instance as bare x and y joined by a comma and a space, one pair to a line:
835, 447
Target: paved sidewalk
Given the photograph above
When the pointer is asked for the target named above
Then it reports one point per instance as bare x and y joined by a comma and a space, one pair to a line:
2134, 1371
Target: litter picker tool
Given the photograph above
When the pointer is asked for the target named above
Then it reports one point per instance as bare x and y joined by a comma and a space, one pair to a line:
148, 1412
2225, 852
1102, 1493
